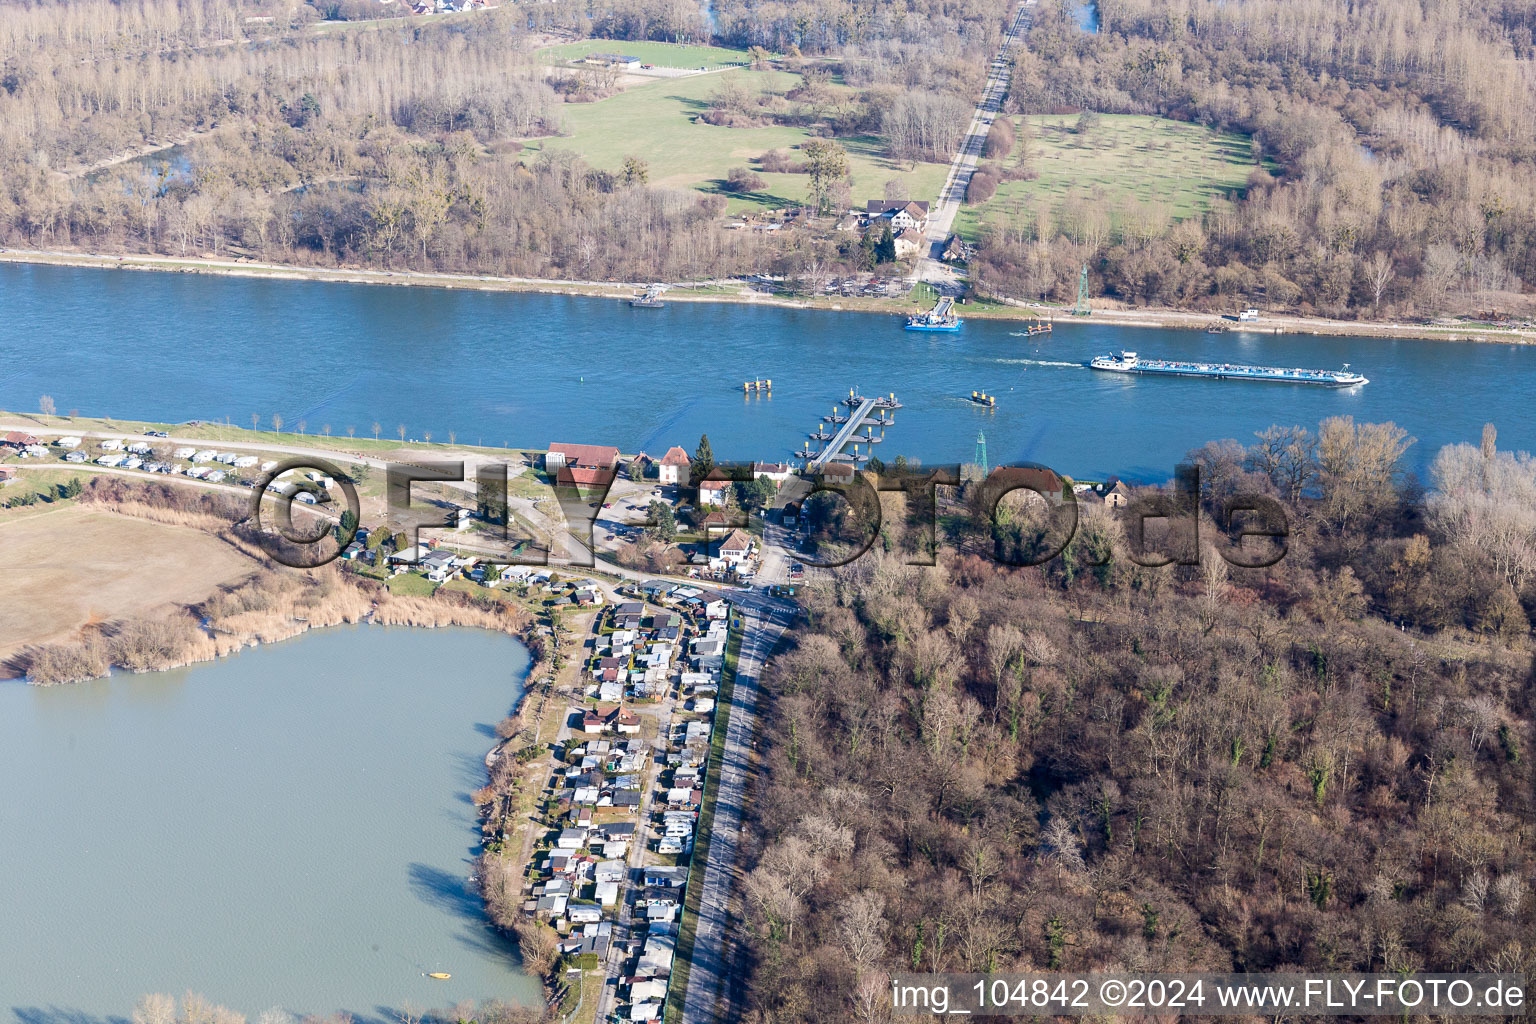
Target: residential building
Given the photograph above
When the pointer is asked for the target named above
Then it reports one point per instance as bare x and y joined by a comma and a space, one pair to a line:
18, 440
1115, 493
712, 491
736, 547
910, 242
674, 467
900, 214
590, 456
778, 472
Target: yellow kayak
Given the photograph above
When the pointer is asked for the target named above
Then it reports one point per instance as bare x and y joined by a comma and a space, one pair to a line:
439, 975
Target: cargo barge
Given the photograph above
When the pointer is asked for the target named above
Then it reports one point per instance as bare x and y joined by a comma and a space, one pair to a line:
1130, 362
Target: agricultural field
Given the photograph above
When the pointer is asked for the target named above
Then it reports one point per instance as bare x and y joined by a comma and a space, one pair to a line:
663, 55
1123, 160
72, 565
659, 123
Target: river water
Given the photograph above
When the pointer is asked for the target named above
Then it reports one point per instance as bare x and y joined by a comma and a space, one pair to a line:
529, 369
289, 827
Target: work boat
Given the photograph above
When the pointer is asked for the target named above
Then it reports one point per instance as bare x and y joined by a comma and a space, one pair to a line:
1130, 362
940, 318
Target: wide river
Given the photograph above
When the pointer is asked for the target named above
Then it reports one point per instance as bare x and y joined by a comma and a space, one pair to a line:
530, 369
289, 827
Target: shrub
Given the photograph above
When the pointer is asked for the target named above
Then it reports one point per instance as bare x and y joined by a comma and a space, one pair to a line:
741, 179
1000, 139
779, 161
66, 663
983, 186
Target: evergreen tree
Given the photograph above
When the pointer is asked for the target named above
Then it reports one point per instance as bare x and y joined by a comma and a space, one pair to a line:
754, 495
663, 525
885, 251
868, 251
703, 458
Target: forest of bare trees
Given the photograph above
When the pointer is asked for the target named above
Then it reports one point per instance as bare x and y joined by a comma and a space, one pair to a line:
1394, 140
1095, 765
380, 147
1401, 134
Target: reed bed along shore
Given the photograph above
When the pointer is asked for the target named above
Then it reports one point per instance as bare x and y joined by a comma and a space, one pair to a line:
273, 603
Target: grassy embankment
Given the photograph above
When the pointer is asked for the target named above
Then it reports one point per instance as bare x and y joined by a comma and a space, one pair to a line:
687, 932
1125, 159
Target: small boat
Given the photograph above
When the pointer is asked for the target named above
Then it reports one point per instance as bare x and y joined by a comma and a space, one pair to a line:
439, 975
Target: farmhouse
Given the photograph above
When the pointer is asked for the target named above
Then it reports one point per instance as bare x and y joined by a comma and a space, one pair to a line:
1115, 493
585, 478
901, 214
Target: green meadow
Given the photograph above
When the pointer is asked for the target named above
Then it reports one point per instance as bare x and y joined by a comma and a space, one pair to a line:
659, 123
1127, 158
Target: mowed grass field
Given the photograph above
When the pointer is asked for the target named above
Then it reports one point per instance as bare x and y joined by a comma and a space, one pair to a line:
663, 55
1128, 158
75, 565
658, 122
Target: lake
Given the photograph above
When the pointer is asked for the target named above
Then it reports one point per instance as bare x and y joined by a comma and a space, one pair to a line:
289, 827
529, 369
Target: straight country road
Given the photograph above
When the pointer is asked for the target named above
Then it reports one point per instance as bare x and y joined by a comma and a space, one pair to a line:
713, 966
941, 218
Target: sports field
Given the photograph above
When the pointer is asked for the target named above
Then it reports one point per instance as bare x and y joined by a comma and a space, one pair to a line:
1125, 159
659, 123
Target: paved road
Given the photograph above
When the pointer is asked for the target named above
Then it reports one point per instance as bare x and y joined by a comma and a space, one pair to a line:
708, 995
942, 218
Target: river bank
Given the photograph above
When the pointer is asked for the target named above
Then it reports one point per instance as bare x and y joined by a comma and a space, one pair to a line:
742, 295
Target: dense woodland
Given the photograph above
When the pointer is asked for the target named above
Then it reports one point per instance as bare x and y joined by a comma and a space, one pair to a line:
1395, 140
1325, 764
398, 145
1401, 133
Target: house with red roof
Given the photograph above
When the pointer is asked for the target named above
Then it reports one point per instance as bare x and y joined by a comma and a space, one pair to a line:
590, 456
674, 467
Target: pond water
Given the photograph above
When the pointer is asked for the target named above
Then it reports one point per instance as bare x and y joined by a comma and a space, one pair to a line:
289, 827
